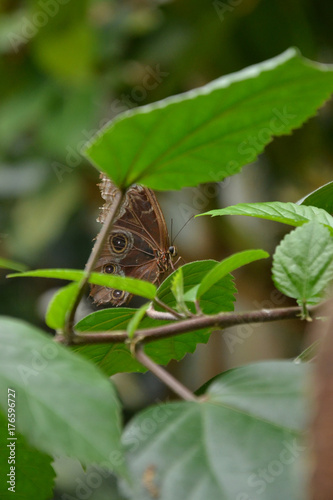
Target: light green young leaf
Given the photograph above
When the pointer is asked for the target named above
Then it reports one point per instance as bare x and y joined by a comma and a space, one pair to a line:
59, 306
203, 135
303, 263
134, 286
228, 265
287, 213
10, 264
177, 288
65, 405
136, 319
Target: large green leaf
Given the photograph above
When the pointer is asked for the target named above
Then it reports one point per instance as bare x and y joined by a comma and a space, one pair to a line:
209, 133
303, 263
287, 213
114, 358
32, 469
321, 198
65, 406
240, 442
137, 287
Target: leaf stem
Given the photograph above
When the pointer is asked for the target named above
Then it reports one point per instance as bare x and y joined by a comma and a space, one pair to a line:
163, 375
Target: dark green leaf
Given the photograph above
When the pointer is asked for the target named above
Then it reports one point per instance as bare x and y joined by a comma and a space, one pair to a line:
203, 135
220, 297
65, 406
111, 358
321, 198
238, 443
34, 475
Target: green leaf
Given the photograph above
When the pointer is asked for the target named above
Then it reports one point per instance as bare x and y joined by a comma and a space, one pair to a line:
309, 353
114, 358
227, 266
134, 286
59, 306
226, 445
34, 475
287, 213
206, 134
321, 198
135, 320
220, 297
177, 288
10, 264
65, 406
111, 358
303, 263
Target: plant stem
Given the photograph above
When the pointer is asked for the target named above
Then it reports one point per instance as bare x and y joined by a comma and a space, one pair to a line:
91, 262
168, 308
163, 375
221, 320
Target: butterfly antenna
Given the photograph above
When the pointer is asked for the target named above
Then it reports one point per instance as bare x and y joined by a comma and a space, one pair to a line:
173, 240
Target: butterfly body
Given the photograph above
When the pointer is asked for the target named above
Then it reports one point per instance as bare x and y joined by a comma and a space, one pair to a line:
137, 246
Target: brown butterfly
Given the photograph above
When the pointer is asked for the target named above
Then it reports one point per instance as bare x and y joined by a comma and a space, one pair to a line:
138, 245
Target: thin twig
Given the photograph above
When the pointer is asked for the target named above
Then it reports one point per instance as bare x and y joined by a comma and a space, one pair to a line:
168, 308
152, 313
163, 375
221, 320
91, 262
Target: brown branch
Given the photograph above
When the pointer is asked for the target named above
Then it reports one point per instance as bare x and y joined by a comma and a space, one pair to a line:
163, 375
91, 262
168, 308
221, 320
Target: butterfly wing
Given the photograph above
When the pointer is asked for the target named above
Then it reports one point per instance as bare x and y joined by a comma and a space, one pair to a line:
138, 243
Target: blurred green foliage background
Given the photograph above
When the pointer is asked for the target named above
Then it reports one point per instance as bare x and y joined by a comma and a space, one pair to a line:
67, 67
